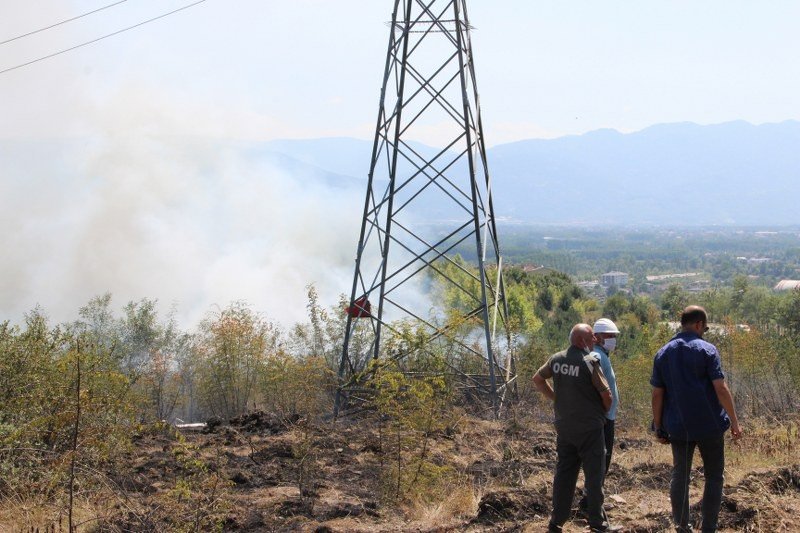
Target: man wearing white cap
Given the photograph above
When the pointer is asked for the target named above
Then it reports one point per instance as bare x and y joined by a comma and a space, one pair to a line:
605, 335
605, 340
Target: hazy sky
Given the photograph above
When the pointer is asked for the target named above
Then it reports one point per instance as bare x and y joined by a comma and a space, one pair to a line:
146, 200
310, 68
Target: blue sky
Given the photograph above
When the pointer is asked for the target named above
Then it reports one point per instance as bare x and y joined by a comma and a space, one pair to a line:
312, 68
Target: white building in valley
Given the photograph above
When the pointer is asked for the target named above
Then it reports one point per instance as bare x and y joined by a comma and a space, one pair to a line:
787, 285
617, 279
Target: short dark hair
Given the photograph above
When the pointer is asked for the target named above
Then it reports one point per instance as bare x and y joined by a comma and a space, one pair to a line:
693, 314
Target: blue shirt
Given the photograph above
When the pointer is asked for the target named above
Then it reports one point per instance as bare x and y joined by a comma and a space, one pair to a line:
608, 370
686, 367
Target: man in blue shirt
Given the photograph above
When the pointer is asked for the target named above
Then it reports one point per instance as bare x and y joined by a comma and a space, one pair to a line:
605, 335
692, 408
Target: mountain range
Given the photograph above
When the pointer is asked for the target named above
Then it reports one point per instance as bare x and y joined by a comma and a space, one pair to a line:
679, 174
733, 173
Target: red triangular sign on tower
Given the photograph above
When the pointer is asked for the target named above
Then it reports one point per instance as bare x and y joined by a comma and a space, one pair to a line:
360, 308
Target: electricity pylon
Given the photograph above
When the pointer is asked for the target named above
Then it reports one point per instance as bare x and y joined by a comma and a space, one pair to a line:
428, 257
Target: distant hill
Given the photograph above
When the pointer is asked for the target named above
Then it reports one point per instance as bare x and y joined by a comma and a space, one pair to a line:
668, 174
732, 173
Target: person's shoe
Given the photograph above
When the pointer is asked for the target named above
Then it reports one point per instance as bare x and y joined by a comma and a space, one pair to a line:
605, 527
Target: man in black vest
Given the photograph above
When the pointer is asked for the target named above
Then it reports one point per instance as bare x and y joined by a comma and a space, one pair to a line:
581, 398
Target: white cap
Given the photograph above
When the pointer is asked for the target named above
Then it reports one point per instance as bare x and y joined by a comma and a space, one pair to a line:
605, 325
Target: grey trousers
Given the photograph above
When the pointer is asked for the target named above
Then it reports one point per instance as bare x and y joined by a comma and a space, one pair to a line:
586, 449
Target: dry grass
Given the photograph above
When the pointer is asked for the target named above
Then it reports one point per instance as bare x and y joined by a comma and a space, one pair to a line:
45, 516
460, 503
306, 477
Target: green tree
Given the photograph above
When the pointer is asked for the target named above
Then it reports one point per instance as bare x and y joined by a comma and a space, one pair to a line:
673, 301
413, 408
231, 348
740, 288
789, 312
615, 306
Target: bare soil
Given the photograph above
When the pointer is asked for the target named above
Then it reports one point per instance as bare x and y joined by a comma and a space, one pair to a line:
290, 475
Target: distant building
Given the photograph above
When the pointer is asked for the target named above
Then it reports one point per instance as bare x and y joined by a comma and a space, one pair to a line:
663, 277
699, 286
719, 329
538, 269
617, 279
754, 260
787, 285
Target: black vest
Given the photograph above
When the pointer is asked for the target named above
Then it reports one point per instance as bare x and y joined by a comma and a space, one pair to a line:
578, 405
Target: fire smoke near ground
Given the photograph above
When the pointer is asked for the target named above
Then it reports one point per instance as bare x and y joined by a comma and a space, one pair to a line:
192, 223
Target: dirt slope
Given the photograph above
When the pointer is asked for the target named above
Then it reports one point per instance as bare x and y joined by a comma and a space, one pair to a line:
261, 473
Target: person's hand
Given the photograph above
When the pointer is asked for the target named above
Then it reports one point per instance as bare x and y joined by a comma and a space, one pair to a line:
662, 436
736, 431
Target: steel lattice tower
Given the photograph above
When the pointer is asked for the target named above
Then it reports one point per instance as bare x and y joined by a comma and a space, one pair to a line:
429, 86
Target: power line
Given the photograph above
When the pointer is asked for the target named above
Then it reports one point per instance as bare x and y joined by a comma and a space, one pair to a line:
101, 38
60, 23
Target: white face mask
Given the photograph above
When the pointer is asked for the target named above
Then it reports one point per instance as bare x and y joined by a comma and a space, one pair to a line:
609, 344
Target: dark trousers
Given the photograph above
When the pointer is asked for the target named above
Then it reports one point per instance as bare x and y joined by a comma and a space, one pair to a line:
608, 433
585, 449
712, 451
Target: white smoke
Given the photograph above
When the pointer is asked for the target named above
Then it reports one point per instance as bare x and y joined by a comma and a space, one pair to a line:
190, 221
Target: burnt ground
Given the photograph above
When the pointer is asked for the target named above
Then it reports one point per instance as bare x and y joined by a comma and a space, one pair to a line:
263, 473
